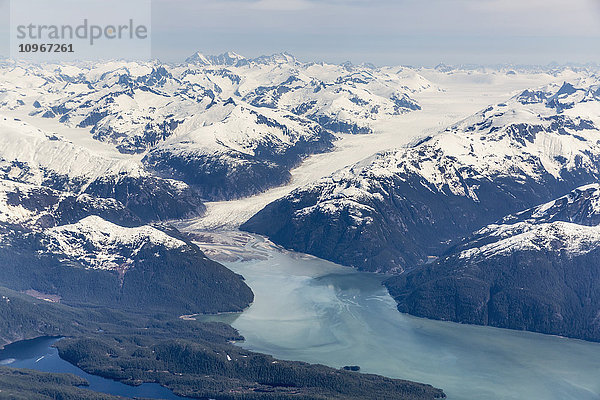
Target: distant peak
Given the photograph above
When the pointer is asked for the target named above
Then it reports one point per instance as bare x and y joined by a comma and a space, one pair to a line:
198, 58
441, 67
351, 67
229, 58
277, 58
233, 54
566, 89
232, 58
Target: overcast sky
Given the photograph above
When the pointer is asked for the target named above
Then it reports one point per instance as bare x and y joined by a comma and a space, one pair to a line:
410, 32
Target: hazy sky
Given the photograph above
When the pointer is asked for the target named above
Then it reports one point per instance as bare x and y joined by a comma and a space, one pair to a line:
380, 31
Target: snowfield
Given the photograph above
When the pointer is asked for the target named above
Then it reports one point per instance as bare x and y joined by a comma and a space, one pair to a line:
99, 244
127, 118
454, 96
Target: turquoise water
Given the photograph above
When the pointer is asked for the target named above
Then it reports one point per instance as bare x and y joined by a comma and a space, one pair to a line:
312, 310
315, 311
37, 354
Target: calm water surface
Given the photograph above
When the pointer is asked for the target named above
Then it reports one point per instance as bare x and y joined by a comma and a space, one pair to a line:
37, 354
312, 310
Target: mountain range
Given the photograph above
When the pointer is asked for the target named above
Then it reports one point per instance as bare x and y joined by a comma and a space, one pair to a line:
492, 220
226, 125
59, 246
401, 208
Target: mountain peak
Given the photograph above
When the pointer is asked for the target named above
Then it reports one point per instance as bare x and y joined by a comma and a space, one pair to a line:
277, 58
198, 58
98, 244
581, 206
566, 89
229, 58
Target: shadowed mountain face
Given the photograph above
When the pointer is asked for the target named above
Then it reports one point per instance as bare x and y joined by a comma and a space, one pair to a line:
63, 247
31, 156
395, 210
117, 289
95, 263
537, 270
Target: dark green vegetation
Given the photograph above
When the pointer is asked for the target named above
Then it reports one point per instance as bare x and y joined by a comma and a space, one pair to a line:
189, 357
545, 279
159, 279
525, 290
19, 384
24, 317
216, 369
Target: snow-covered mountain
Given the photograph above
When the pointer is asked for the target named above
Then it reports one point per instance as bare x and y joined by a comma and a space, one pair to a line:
58, 246
71, 228
246, 152
228, 125
229, 58
399, 208
92, 153
38, 207
536, 270
98, 244
569, 225
36, 157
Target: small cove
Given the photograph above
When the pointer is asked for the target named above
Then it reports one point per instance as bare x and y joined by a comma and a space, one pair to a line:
38, 354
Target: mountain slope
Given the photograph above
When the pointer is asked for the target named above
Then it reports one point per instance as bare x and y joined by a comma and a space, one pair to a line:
58, 245
398, 208
32, 156
537, 270
32, 206
227, 125
246, 151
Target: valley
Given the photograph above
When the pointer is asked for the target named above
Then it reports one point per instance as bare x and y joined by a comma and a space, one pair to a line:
244, 228
313, 310
453, 98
